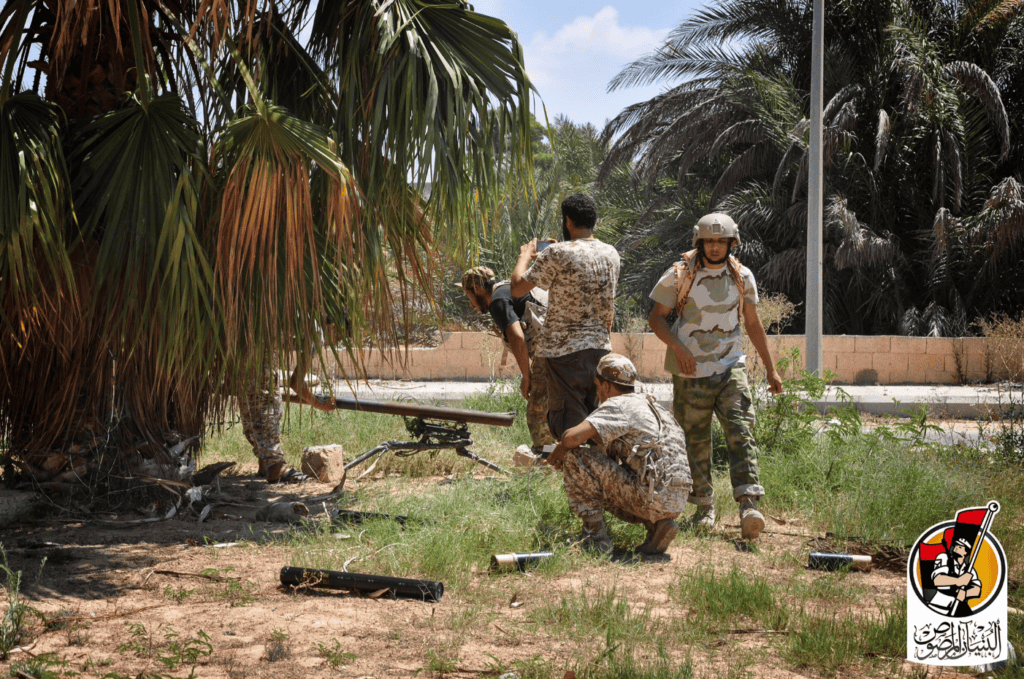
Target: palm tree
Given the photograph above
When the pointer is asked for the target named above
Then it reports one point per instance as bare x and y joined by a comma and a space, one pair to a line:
916, 136
191, 190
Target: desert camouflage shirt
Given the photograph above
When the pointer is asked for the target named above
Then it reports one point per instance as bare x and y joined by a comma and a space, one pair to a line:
709, 325
580, 277
644, 437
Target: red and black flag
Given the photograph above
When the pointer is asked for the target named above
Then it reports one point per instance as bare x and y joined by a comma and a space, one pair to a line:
928, 554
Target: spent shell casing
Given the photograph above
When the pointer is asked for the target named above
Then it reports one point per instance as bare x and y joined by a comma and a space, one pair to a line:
833, 562
517, 561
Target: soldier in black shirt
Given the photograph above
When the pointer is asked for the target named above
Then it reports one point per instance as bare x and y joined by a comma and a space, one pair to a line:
520, 320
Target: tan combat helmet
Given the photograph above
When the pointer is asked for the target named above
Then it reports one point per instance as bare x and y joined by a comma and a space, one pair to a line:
716, 225
617, 369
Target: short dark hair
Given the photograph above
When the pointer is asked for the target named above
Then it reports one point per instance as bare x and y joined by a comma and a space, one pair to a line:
581, 209
623, 389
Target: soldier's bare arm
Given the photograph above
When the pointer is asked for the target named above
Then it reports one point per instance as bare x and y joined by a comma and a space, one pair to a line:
517, 345
527, 253
572, 438
755, 331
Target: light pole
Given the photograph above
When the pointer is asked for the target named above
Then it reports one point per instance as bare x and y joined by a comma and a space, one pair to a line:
815, 177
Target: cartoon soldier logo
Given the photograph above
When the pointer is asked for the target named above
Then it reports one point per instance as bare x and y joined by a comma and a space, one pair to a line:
958, 568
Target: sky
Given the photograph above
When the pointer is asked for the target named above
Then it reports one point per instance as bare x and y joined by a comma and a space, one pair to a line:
574, 49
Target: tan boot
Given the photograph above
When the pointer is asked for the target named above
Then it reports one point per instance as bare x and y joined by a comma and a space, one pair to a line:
595, 537
751, 520
659, 536
703, 520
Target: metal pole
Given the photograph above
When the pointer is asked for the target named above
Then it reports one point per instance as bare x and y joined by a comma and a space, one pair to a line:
814, 197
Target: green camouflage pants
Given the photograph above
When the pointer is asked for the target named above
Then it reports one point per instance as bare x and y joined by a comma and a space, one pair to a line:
727, 396
537, 404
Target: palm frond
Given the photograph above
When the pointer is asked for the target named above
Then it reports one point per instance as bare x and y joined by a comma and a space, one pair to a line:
977, 82
882, 135
34, 206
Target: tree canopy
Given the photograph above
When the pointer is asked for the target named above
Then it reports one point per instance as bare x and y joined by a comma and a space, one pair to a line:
924, 224
189, 188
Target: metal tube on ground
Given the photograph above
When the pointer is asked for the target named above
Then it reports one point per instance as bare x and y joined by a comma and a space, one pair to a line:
425, 590
517, 561
834, 562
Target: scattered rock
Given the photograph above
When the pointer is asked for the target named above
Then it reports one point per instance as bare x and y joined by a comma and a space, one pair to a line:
316, 461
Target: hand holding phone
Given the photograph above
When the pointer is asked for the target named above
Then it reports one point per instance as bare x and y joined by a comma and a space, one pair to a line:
542, 245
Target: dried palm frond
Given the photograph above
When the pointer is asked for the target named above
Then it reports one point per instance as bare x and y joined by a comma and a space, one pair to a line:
882, 135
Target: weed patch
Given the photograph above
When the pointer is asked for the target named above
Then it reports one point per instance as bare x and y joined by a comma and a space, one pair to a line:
722, 601
13, 623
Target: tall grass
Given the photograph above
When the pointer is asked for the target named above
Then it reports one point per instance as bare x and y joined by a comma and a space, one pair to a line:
718, 601
880, 485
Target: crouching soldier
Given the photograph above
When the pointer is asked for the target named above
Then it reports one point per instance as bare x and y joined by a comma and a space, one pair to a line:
638, 470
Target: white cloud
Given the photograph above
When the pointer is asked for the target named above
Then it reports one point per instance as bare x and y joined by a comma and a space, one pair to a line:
598, 45
571, 69
600, 33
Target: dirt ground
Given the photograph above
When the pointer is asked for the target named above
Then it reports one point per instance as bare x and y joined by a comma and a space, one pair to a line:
108, 578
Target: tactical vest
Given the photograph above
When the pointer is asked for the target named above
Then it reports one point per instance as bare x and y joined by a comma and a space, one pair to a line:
686, 273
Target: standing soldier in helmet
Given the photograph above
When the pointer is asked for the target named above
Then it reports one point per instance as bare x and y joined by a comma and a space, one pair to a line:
712, 293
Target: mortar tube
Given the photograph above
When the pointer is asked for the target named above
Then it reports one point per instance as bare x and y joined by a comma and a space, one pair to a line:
834, 562
425, 590
518, 561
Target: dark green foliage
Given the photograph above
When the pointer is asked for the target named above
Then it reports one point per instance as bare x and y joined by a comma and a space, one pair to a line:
922, 202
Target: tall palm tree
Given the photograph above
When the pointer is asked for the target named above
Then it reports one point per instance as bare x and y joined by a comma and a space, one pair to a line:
192, 188
916, 136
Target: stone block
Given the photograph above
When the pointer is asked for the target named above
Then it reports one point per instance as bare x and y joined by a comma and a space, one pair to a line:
865, 344
889, 363
848, 366
908, 345
316, 460
840, 344
920, 366
939, 346
473, 340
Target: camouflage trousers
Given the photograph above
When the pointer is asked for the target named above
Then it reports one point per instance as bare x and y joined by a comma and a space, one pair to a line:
727, 396
595, 482
260, 411
537, 404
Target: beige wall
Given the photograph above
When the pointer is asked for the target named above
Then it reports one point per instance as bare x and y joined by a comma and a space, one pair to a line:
854, 359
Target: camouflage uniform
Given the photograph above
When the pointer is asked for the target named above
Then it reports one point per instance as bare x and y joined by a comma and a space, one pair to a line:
639, 473
503, 312
537, 404
260, 411
709, 327
581, 277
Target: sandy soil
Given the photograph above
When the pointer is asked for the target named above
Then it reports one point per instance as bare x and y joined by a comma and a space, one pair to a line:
106, 575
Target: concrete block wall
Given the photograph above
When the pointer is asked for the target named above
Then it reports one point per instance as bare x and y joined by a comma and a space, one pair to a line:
853, 359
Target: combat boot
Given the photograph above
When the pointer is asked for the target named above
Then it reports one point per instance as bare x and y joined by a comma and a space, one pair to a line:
595, 537
751, 520
659, 536
704, 519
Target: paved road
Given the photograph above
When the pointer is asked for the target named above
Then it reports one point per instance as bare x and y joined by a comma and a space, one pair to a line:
943, 402
964, 413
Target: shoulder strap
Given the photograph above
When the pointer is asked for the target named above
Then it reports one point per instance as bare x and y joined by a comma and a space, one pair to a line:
686, 272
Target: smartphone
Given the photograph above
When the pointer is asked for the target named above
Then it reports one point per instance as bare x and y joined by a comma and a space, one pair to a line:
542, 245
